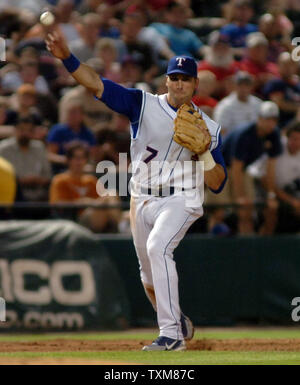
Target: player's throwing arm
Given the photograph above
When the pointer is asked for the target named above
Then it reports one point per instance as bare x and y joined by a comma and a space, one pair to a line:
82, 73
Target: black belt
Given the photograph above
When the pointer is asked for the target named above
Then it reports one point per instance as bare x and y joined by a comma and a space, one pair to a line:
161, 192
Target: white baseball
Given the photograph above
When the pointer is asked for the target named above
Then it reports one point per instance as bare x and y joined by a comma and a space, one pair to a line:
47, 18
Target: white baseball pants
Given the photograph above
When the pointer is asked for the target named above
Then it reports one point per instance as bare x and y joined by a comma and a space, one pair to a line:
158, 225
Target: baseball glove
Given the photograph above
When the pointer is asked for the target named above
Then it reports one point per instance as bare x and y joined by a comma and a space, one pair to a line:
191, 130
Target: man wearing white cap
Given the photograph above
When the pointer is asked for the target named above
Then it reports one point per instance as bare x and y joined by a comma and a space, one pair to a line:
240, 106
256, 60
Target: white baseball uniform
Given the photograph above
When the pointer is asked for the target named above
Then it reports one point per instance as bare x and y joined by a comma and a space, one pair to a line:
159, 223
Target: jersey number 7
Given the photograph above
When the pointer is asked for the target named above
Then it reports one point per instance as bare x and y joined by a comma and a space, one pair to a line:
153, 154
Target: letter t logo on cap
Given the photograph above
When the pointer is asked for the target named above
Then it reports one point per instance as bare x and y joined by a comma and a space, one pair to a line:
180, 60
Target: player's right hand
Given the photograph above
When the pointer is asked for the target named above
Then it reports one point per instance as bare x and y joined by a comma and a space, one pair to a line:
57, 45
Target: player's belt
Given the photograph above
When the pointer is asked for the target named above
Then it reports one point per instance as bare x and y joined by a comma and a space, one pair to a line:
161, 192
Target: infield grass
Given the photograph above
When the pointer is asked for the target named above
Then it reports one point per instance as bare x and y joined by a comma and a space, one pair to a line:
173, 358
222, 333
164, 358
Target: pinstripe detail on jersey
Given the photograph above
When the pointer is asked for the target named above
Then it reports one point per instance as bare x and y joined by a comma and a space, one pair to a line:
215, 138
217, 135
136, 125
162, 107
175, 163
166, 156
159, 102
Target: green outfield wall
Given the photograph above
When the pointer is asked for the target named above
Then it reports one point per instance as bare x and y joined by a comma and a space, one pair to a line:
223, 281
58, 275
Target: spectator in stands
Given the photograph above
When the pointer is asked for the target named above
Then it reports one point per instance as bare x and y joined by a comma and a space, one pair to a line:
287, 181
150, 36
292, 9
28, 101
219, 60
28, 73
96, 113
33, 46
154, 8
8, 182
12, 23
120, 123
182, 41
240, 27
120, 6
121, 126
77, 187
206, 87
278, 10
132, 73
285, 90
256, 61
29, 159
63, 80
84, 48
107, 53
130, 45
73, 129
107, 141
31, 6
89, 6
41, 107
294, 121
269, 26
240, 107
64, 12
292, 5
159, 85
241, 148
29, 49
109, 25
7, 119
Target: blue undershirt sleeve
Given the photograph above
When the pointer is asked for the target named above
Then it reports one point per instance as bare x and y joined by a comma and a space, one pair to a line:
126, 101
218, 158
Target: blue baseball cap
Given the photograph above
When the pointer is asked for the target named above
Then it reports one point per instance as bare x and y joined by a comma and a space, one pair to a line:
182, 65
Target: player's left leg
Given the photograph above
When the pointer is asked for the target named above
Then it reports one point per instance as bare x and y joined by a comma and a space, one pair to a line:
187, 326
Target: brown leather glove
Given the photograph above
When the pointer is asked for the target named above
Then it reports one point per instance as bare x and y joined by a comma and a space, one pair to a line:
191, 130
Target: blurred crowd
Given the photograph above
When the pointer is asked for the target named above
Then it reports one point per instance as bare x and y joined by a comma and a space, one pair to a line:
53, 132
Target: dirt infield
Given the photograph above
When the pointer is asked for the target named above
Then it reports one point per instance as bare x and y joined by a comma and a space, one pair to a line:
65, 345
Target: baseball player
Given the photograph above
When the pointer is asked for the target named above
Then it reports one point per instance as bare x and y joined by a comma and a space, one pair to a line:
162, 208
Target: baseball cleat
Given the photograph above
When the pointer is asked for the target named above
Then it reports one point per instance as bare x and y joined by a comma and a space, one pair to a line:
165, 343
187, 327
